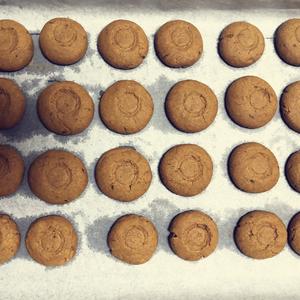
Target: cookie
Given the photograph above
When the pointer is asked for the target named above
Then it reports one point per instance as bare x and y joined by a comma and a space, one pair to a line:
63, 41
65, 108
57, 177
12, 103
123, 44
253, 168
186, 170
193, 235
292, 171
178, 44
294, 233
126, 107
191, 106
9, 238
11, 170
132, 239
241, 44
250, 102
290, 106
123, 174
260, 234
287, 41
51, 241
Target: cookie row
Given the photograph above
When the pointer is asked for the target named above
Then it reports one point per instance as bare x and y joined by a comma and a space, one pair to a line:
123, 44
126, 107
123, 174
52, 240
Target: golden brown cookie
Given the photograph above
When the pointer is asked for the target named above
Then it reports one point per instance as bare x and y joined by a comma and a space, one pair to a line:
186, 170
126, 107
12, 103
16, 46
57, 177
287, 41
193, 235
123, 44
253, 168
241, 44
260, 234
65, 108
178, 44
290, 106
294, 233
63, 41
11, 170
123, 174
191, 106
250, 102
132, 239
9, 238
292, 171
51, 240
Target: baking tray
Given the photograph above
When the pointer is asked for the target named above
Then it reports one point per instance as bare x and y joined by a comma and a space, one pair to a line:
94, 273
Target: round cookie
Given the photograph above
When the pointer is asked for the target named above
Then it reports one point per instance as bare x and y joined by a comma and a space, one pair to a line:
294, 233
123, 174
287, 41
250, 102
126, 107
253, 168
123, 44
9, 238
65, 108
186, 170
193, 235
12, 103
51, 241
292, 171
178, 44
16, 46
290, 106
260, 234
191, 106
241, 44
57, 177
132, 239
63, 41
11, 170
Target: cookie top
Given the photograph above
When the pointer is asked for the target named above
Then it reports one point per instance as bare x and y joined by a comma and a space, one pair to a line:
294, 233
292, 171
9, 238
193, 235
287, 41
57, 177
11, 170
253, 168
290, 106
12, 103
63, 41
16, 46
178, 44
123, 44
250, 102
241, 44
132, 239
260, 234
51, 240
126, 107
123, 174
191, 106
186, 170
65, 108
